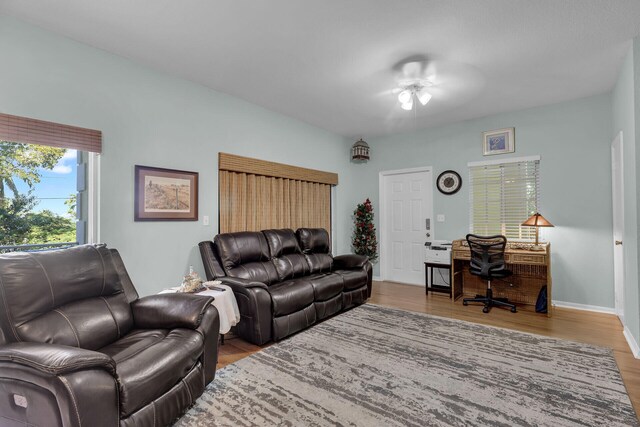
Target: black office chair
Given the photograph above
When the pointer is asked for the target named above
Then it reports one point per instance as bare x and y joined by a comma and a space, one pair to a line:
487, 261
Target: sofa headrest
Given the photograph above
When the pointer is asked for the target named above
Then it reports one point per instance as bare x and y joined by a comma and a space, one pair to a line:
282, 242
235, 249
314, 240
35, 283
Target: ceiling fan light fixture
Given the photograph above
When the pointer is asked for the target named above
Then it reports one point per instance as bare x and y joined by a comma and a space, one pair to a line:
404, 96
407, 105
424, 96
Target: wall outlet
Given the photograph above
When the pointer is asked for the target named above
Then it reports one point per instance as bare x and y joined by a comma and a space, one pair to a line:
440, 218
205, 220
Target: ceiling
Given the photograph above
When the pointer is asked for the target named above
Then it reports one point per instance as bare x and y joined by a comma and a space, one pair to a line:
334, 63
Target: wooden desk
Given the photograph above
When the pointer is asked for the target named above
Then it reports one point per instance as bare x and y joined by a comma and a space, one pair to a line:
531, 271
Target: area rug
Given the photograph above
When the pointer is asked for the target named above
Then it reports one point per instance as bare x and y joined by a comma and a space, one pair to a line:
376, 366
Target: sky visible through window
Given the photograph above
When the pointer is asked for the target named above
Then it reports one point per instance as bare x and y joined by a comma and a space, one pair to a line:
55, 185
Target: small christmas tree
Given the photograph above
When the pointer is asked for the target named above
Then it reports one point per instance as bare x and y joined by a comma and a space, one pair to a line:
364, 233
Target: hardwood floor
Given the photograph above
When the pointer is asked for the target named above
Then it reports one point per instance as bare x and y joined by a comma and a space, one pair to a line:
577, 325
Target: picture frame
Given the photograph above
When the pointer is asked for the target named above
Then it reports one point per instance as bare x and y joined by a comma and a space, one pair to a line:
165, 194
499, 141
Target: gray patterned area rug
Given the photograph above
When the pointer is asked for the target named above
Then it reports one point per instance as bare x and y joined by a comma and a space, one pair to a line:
376, 366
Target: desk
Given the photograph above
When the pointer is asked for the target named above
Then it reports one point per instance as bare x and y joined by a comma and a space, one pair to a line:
531, 271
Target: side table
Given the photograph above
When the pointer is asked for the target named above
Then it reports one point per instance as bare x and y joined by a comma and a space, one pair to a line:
224, 300
429, 285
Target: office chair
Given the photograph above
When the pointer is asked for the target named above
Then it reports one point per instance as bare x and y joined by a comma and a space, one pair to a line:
487, 262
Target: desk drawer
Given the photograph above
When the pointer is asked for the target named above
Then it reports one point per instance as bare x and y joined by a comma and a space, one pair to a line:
527, 259
461, 254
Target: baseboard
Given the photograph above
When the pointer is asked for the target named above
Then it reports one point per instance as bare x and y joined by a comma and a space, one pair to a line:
633, 345
377, 278
596, 308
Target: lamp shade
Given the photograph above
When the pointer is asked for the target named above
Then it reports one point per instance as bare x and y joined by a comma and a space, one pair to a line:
537, 220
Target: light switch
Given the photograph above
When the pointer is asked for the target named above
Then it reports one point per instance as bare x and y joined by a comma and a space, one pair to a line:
205, 220
440, 217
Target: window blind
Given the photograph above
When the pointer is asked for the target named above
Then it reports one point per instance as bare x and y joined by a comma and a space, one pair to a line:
32, 131
503, 196
257, 195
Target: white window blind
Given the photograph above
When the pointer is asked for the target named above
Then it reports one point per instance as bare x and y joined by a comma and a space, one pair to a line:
502, 196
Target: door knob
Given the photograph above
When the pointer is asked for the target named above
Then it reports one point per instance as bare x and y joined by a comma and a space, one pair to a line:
618, 242
428, 234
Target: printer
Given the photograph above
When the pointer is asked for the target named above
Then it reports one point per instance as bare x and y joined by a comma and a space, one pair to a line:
438, 252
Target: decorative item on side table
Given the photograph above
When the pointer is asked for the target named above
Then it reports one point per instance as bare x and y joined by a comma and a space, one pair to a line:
500, 141
165, 194
449, 182
364, 234
537, 220
192, 282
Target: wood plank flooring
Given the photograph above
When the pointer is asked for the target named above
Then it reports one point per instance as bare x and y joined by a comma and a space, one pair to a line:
577, 325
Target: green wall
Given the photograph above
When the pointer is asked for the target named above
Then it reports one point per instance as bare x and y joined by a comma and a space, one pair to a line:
153, 119
573, 140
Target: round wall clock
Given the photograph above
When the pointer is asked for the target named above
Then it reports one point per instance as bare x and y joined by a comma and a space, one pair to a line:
449, 182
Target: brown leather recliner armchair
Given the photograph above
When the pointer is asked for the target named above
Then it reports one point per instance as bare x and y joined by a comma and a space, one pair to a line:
79, 348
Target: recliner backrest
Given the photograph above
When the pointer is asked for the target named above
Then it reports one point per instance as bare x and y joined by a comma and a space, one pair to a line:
316, 247
68, 296
286, 254
246, 255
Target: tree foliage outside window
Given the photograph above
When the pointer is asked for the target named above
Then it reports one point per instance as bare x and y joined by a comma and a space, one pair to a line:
19, 222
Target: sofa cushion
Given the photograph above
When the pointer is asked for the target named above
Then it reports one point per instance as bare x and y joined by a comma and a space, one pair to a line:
150, 362
316, 248
353, 279
325, 286
286, 255
290, 296
246, 255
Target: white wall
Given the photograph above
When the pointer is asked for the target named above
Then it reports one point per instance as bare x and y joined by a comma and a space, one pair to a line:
153, 119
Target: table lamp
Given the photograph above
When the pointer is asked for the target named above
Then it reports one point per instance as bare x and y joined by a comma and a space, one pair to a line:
536, 221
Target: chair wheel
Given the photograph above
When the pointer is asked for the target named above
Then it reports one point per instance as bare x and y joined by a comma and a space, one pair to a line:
485, 309
465, 303
513, 310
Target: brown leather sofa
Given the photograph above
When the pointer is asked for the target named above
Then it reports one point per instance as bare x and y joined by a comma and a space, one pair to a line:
285, 281
79, 348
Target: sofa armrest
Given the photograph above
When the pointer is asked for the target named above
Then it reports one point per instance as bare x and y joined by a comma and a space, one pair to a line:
169, 311
235, 282
349, 261
55, 359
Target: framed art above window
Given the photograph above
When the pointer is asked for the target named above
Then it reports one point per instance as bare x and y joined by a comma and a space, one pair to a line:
500, 141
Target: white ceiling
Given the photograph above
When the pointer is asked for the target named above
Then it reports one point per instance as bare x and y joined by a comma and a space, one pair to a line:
334, 63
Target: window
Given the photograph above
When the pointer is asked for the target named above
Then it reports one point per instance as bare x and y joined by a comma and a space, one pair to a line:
45, 180
503, 194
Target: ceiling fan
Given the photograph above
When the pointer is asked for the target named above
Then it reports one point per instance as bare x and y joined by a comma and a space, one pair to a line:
414, 82
417, 89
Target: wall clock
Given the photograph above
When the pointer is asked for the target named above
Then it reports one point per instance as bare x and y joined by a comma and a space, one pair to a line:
449, 182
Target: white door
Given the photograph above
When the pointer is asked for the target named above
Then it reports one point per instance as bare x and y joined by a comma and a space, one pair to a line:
407, 210
617, 180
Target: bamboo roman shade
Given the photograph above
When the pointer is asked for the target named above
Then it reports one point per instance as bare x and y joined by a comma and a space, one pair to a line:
258, 195
502, 196
33, 131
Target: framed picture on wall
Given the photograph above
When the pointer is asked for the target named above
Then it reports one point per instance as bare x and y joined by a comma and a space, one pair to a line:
500, 141
165, 194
